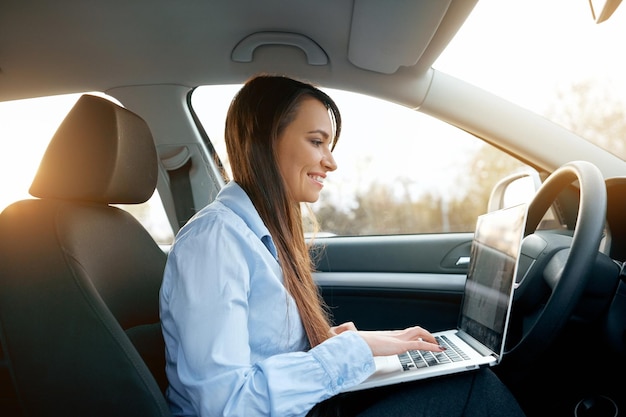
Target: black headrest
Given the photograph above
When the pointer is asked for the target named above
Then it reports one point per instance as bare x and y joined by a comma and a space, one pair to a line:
100, 153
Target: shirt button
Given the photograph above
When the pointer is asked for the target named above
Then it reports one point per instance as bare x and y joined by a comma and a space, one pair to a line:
367, 367
340, 381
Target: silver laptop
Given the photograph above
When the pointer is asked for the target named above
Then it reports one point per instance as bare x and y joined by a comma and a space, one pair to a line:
480, 335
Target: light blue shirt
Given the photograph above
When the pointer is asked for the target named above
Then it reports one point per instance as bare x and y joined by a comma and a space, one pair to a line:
235, 344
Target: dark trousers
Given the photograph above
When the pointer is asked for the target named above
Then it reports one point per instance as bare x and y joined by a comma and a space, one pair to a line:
471, 394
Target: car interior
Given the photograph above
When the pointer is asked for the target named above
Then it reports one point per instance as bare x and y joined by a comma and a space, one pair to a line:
80, 269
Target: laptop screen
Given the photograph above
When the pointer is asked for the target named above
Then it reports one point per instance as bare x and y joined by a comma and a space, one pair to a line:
490, 279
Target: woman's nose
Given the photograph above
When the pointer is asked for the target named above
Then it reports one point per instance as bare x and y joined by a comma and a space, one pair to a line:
328, 161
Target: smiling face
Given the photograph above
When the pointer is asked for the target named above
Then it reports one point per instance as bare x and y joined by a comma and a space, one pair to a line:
303, 151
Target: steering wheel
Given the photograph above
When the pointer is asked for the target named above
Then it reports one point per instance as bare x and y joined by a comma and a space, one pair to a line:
560, 264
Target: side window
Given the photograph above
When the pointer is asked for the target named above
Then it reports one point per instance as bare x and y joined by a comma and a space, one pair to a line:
24, 143
399, 171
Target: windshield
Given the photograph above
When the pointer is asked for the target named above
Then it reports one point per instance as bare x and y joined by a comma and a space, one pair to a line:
552, 58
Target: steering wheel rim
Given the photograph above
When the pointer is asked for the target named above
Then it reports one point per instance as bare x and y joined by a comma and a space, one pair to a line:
568, 282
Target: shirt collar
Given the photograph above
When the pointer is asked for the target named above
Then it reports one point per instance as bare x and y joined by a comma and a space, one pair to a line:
235, 198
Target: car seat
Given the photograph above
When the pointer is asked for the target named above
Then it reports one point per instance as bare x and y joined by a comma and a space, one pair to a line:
79, 277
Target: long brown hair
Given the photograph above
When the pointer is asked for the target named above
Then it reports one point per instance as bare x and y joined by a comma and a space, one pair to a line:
258, 114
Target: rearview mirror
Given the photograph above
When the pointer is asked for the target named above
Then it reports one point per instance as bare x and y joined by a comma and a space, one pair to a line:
517, 188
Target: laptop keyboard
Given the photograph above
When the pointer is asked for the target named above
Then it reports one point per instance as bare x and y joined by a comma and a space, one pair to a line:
415, 359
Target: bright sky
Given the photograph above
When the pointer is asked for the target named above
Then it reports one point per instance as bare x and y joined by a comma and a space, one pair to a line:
533, 47
26, 126
492, 51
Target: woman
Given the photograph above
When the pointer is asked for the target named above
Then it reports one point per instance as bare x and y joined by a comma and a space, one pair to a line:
246, 331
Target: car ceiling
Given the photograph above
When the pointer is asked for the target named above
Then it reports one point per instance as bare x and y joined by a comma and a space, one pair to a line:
369, 46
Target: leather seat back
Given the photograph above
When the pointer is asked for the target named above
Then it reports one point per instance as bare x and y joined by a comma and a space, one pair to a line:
79, 278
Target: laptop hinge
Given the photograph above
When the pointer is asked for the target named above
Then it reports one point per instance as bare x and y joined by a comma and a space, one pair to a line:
476, 345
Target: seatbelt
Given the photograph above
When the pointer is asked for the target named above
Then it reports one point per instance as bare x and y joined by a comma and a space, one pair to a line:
182, 193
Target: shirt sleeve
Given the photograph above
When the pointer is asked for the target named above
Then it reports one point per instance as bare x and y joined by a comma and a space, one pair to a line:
300, 380
204, 312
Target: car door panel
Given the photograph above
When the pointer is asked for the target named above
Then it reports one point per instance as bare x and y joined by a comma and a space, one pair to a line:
392, 282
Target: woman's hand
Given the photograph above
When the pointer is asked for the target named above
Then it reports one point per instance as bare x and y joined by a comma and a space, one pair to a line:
392, 342
334, 331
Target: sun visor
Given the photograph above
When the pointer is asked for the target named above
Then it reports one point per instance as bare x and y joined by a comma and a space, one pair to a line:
387, 35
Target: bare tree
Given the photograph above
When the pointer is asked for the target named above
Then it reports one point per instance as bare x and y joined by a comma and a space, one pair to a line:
590, 109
